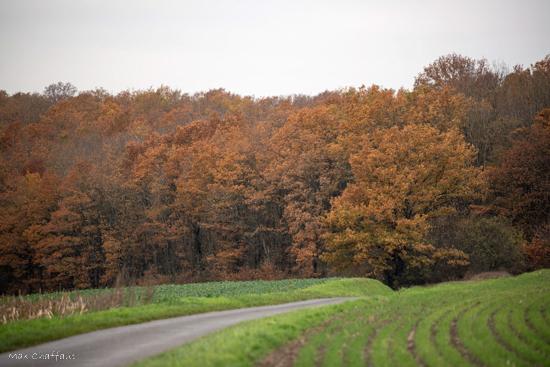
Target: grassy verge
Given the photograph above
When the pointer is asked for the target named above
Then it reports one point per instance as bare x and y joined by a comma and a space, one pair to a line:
22, 333
244, 344
493, 322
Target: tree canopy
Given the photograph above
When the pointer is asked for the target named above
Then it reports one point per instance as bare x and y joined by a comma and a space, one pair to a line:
157, 185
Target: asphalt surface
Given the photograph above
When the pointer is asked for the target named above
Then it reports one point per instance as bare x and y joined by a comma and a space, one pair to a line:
123, 345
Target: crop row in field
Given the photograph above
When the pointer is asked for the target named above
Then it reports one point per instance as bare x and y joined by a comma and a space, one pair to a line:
494, 323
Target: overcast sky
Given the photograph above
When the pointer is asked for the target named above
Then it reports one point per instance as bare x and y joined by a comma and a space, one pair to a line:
256, 47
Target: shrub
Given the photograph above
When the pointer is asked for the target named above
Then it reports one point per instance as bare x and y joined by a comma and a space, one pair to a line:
490, 243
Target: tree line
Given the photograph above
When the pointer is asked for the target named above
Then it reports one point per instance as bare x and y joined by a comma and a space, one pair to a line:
409, 186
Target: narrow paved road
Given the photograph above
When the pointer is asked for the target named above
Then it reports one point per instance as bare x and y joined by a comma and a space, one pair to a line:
122, 345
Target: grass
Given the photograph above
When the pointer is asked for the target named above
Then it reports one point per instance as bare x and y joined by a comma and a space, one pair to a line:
176, 300
62, 304
168, 292
496, 322
249, 341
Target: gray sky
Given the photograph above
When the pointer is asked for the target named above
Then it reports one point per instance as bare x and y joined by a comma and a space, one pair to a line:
256, 47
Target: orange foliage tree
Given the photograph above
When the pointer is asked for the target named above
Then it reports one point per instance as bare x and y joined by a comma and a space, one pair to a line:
403, 178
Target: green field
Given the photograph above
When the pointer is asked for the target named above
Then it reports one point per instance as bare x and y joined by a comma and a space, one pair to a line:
170, 292
168, 301
498, 322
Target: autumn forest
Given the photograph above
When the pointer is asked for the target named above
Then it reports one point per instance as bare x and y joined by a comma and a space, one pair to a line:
410, 186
